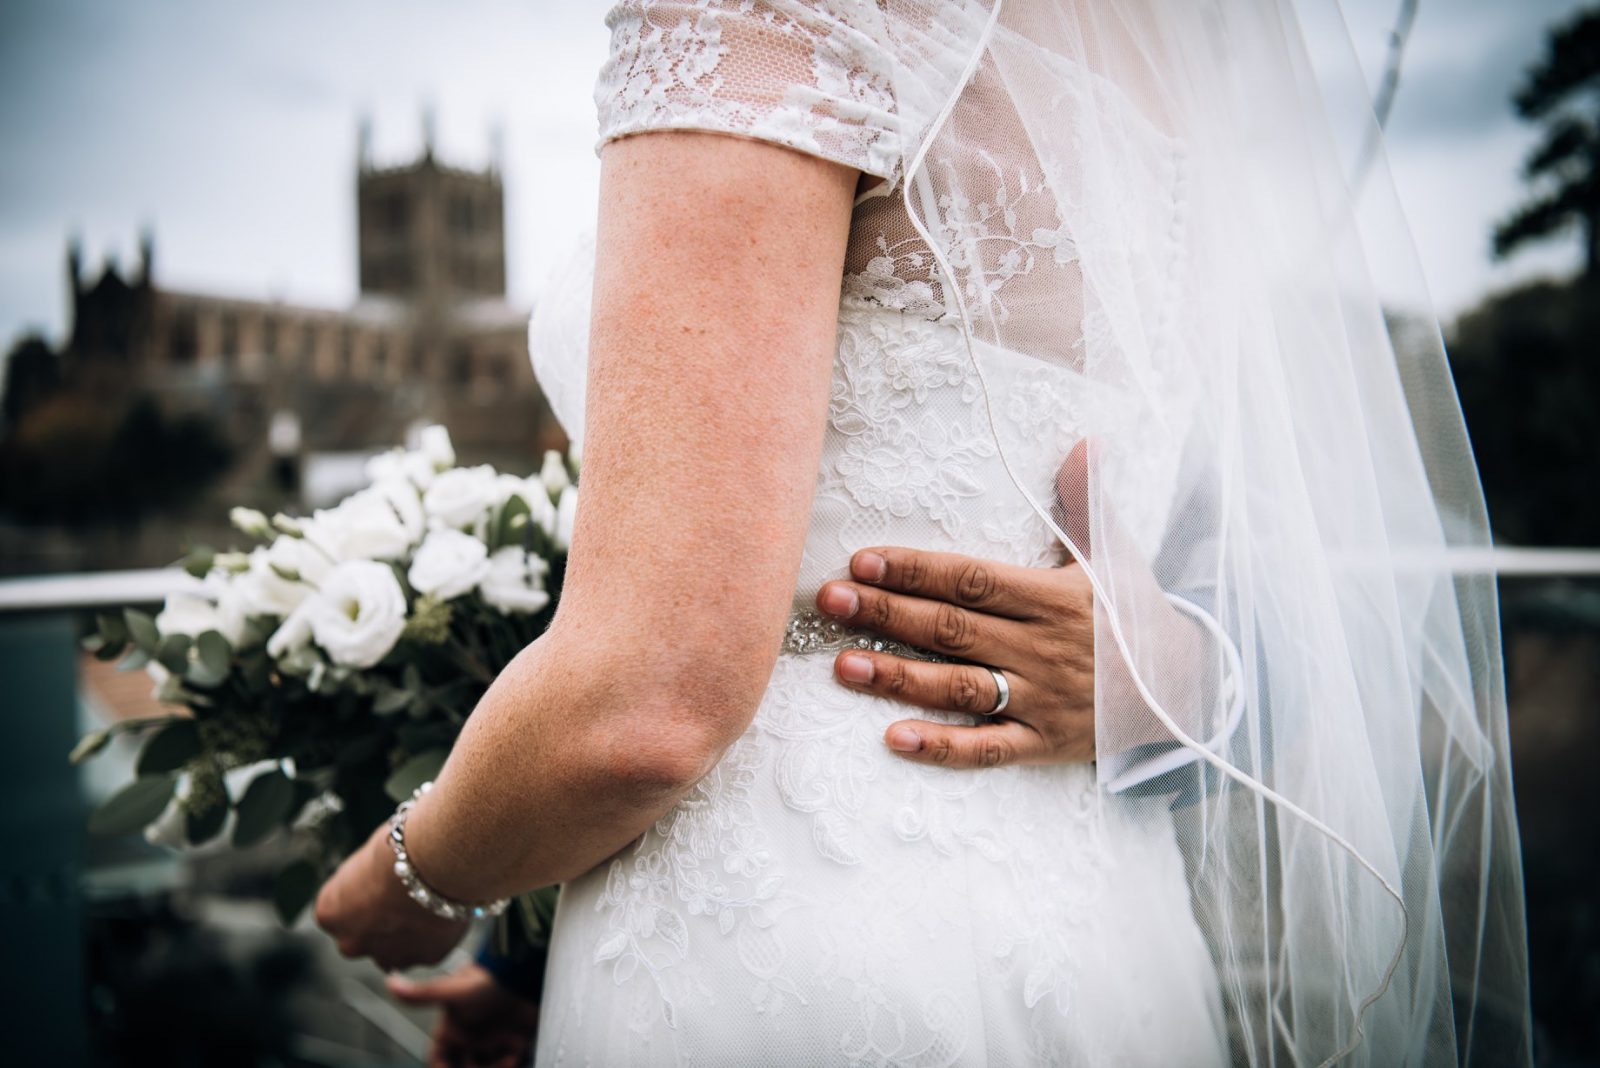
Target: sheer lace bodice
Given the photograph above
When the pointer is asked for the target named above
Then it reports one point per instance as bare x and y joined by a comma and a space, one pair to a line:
1124, 220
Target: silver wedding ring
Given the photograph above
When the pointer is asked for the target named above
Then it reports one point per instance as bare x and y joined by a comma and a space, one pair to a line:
1005, 693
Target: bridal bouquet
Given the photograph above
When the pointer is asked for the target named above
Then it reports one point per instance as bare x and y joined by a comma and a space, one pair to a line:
326, 669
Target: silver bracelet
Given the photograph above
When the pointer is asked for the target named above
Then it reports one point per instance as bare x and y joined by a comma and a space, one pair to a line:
421, 892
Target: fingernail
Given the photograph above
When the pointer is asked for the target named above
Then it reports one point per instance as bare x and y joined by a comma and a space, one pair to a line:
840, 601
870, 567
853, 667
904, 740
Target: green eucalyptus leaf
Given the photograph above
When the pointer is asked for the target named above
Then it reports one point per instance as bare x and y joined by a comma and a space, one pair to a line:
89, 745
112, 628
142, 629
392, 699
173, 652
169, 748
293, 890
263, 808
134, 806
200, 826
513, 523
199, 561
414, 772
213, 659
136, 659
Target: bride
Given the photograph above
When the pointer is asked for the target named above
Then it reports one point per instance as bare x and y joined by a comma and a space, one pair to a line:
882, 275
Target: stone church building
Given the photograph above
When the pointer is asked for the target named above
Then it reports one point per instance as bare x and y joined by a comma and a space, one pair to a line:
431, 336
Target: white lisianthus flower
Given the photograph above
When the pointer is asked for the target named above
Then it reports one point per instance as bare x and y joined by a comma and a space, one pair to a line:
295, 559
188, 613
291, 641
434, 446
233, 606
514, 581
554, 472
406, 500
460, 496
251, 522
267, 592
357, 615
449, 564
364, 526
412, 467
566, 514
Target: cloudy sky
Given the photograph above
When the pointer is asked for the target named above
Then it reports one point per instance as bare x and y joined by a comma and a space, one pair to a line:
230, 131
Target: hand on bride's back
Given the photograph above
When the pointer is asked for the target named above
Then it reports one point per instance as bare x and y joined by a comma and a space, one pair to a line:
1033, 625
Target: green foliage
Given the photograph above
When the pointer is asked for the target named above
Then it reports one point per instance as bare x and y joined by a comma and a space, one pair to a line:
75, 457
170, 748
1562, 91
267, 803
1526, 369
135, 805
414, 772
296, 885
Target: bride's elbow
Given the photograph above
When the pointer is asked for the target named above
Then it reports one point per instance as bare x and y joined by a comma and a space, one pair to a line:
664, 753
675, 733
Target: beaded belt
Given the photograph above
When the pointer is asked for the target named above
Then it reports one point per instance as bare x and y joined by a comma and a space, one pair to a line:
810, 631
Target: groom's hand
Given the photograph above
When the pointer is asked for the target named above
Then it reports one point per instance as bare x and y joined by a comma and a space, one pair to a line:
1034, 624
480, 1021
366, 909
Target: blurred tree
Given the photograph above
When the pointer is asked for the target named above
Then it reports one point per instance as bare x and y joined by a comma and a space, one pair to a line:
84, 458
1525, 370
1562, 91
33, 371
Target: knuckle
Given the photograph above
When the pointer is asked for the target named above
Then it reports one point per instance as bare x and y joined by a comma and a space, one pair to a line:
913, 572
965, 694
878, 611
991, 753
952, 628
898, 681
941, 751
975, 583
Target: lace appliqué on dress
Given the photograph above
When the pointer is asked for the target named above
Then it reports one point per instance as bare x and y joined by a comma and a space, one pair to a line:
703, 65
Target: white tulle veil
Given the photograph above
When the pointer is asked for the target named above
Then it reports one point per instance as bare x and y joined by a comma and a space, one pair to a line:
1153, 198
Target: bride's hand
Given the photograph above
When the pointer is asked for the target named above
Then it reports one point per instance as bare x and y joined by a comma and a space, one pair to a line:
366, 909
1036, 625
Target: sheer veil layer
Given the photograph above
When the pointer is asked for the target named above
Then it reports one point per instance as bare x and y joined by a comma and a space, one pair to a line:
1148, 203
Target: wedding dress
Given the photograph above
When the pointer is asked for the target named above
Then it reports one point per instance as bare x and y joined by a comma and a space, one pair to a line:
1278, 888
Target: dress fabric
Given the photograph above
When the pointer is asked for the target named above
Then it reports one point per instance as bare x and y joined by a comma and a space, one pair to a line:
815, 899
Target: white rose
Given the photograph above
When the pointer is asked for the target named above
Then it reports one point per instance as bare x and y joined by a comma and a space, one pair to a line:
566, 515
461, 495
364, 526
358, 614
434, 446
449, 564
514, 581
188, 613
554, 472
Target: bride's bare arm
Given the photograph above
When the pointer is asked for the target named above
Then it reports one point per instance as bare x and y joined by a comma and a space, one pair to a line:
715, 311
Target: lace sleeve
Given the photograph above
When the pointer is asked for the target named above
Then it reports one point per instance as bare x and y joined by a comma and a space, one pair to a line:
808, 74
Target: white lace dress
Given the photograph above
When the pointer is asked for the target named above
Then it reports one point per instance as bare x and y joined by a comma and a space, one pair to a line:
816, 900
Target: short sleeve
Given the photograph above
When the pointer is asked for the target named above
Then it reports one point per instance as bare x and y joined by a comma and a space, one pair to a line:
810, 74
